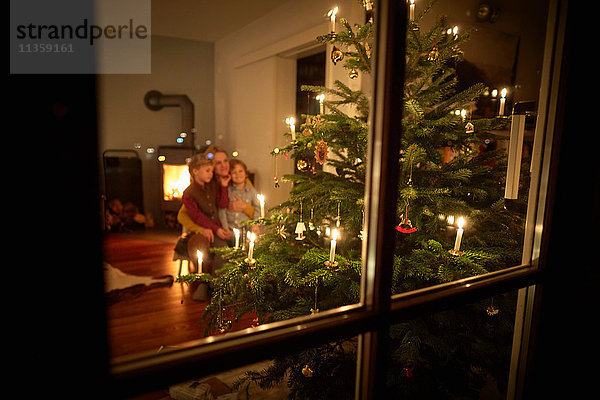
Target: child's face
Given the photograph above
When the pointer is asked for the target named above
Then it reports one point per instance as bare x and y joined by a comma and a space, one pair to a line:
203, 174
238, 174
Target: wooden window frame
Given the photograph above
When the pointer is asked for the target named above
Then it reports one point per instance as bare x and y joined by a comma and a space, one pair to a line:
371, 318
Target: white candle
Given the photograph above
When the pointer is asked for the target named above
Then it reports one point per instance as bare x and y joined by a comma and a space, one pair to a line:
199, 255
502, 100
251, 247
321, 97
236, 233
331, 15
292, 123
459, 233
261, 199
412, 10
334, 235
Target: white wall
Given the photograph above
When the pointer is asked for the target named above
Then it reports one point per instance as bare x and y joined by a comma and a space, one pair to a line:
255, 79
179, 66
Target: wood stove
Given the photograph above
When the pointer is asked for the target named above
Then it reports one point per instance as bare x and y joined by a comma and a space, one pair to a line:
174, 178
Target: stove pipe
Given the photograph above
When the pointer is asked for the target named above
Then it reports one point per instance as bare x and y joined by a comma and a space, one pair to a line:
155, 101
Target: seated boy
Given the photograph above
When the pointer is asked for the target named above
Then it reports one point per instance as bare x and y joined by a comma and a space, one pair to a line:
201, 200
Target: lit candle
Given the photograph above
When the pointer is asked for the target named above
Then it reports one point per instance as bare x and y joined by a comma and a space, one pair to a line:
331, 15
321, 97
459, 233
199, 256
236, 233
502, 100
334, 235
292, 123
251, 248
412, 10
261, 199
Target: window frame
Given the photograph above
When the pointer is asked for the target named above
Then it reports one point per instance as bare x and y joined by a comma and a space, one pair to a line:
370, 319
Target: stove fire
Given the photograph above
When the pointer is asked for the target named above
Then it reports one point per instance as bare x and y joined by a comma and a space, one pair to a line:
175, 179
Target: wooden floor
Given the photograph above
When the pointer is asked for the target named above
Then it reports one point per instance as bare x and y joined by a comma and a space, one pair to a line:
157, 317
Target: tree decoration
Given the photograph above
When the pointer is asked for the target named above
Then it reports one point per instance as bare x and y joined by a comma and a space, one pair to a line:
434, 53
336, 55
321, 151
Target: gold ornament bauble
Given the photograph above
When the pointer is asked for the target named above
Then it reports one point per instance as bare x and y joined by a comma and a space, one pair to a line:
353, 74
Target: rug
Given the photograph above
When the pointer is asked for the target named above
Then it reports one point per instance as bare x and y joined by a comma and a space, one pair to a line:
120, 286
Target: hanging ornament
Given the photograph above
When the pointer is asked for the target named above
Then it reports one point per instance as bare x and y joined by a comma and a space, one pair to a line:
302, 165
469, 128
408, 369
307, 372
353, 74
368, 49
321, 152
406, 226
491, 310
275, 179
300, 228
311, 226
281, 232
336, 55
434, 53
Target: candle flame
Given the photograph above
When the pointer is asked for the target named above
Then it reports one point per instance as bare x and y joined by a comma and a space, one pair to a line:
252, 237
460, 222
331, 13
412, 2
503, 92
320, 97
236, 232
261, 198
199, 255
450, 219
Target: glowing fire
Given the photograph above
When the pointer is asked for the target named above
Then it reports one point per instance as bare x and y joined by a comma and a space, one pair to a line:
175, 179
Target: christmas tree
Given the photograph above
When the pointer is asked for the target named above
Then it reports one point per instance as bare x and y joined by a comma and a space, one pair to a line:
308, 258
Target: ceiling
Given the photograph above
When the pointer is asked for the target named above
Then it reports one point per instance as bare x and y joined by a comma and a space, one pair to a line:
206, 20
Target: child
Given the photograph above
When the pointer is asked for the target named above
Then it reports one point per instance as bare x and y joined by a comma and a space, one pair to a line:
203, 197
239, 188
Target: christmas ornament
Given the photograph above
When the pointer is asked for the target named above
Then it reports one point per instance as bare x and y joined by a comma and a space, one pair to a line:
353, 74
307, 372
491, 310
281, 232
336, 55
275, 179
300, 228
302, 165
469, 128
368, 49
434, 53
406, 226
408, 370
321, 152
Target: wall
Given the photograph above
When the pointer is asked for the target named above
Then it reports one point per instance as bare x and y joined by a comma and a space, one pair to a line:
255, 77
179, 66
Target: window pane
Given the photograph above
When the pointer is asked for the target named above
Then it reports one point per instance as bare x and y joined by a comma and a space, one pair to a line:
461, 353
273, 102
323, 372
472, 83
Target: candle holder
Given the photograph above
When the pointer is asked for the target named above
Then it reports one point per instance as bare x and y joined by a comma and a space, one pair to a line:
331, 265
249, 261
455, 252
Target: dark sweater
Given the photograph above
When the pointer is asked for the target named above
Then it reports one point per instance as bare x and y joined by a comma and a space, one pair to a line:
202, 202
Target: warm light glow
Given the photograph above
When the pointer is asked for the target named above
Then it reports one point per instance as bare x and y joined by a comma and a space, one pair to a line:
503, 93
334, 234
460, 222
235, 154
494, 92
320, 97
412, 2
252, 237
175, 179
450, 219
455, 30
261, 198
331, 13
199, 256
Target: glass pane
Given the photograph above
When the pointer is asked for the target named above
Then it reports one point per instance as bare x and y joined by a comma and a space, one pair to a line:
472, 83
462, 353
234, 173
323, 372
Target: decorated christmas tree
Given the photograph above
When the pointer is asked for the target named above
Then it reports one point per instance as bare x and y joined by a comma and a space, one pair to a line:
308, 256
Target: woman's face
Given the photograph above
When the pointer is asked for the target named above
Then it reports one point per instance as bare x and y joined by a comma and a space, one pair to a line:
238, 174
